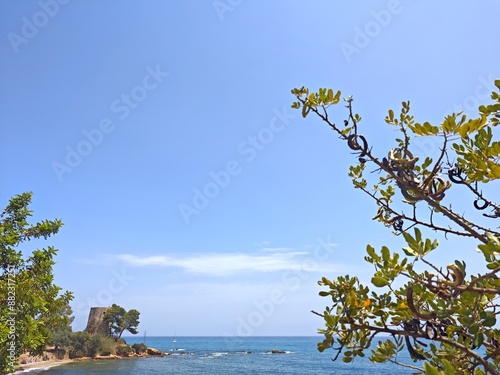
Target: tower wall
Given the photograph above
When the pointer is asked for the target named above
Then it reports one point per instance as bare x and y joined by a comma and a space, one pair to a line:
96, 323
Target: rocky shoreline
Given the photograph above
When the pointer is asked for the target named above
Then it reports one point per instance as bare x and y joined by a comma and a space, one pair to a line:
39, 363
150, 352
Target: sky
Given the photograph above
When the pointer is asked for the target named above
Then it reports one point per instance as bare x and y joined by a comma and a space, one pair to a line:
161, 134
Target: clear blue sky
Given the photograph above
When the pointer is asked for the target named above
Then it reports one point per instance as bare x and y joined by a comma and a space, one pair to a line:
120, 115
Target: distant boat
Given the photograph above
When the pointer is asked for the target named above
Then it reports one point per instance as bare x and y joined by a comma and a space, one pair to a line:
174, 340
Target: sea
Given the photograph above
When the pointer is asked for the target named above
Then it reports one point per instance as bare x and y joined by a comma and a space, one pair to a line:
232, 355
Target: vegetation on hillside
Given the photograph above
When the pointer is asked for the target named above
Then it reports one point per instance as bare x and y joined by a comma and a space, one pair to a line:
84, 344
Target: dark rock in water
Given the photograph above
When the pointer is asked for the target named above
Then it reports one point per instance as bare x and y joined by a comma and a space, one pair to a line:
153, 351
277, 351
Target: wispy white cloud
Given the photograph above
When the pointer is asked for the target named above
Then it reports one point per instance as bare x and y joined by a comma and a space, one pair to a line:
277, 250
221, 264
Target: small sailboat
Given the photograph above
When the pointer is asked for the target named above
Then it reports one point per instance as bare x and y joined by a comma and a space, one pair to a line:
174, 340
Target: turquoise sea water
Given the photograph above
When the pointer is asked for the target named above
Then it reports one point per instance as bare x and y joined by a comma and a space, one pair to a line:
220, 355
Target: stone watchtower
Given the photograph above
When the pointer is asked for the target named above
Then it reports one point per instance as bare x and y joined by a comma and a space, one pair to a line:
96, 322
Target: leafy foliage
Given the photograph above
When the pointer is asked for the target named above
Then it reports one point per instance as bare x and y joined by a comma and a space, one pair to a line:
31, 304
84, 344
444, 318
139, 348
124, 350
60, 332
121, 320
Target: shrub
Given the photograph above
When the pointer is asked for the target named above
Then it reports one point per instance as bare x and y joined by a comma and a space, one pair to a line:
124, 350
94, 345
139, 348
85, 345
107, 346
78, 346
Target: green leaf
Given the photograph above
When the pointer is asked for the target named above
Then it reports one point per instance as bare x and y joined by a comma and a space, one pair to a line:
489, 321
410, 252
305, 109
430, 369
478, 339
448, 367
379, 281
426, 163
409, 239
346, 130
386, 254
336, 99
371, 251
418, 235
474, 329
330, 95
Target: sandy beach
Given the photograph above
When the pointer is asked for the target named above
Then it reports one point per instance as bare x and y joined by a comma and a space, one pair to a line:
40, 364
29, 367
